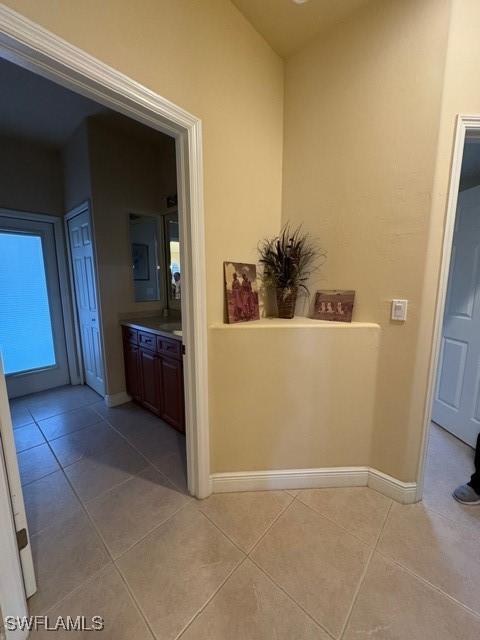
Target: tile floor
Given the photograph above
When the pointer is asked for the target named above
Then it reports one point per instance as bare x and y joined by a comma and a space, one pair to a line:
114, 534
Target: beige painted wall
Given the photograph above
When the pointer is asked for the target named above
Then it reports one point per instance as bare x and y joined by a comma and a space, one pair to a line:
361, 121
128, 175
291, 395
31, 177
207, 58
461, 95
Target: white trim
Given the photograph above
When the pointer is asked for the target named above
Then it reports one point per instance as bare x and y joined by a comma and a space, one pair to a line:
464, 123
116, 399
31, 46
404, 492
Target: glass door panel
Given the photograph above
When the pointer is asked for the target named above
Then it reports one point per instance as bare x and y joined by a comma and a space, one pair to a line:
26, 334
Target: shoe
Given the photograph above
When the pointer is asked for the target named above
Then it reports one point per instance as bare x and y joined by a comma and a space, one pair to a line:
466, 495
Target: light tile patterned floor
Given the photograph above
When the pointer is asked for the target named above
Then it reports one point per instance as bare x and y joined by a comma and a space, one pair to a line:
114, 534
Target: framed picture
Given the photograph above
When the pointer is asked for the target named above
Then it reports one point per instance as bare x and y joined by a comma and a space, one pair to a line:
241, 292
141, 261
334, 305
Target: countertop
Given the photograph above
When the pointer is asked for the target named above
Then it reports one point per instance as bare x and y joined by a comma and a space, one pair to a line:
158, 326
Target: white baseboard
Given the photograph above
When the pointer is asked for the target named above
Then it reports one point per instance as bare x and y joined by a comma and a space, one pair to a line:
404, 492
117, 399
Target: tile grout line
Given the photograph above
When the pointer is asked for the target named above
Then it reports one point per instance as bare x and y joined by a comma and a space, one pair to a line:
260, 568
150, 462
290, 597
204, 606
364, 574
424, 581
107, 550
340, 526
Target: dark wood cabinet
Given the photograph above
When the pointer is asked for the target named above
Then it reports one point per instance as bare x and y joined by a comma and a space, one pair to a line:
171, 402
154, 374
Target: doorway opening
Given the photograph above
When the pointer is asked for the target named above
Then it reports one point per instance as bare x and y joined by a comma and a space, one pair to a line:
127, 430
453, 409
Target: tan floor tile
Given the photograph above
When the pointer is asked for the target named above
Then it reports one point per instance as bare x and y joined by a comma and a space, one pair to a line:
449, 464
394, 605
19, 412
103, 595
128, 512
316, 562
176, 568
85, 443
49, 500
65, 555
249, 606
245, 517
360, 510
435, 548
27, 437
36, 463
101, 472
64, 423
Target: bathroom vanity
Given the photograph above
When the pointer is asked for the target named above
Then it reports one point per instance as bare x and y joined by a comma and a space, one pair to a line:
153, 352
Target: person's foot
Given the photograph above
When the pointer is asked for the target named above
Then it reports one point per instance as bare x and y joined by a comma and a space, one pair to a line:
466, 495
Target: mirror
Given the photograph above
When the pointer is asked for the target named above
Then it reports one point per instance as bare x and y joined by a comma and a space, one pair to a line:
172, 242
146, 261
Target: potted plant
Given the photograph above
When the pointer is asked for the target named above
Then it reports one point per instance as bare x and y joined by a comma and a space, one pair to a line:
288, 261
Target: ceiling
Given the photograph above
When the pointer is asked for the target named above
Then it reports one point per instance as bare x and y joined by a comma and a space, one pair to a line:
287, 26
38, 110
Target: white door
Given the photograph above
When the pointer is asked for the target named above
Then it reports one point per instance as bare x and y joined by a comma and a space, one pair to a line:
17, 577
84, 276
456, 404
32, 334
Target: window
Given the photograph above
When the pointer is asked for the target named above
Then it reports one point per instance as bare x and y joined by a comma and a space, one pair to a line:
26, 335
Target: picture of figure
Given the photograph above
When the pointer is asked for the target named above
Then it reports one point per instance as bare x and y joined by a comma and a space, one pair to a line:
334, 305
241, 292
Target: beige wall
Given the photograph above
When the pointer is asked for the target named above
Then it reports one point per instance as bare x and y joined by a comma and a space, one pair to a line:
207, 58
361, 121
31, 177
128, 175
461, 95
292, 395
363, 111
76, 169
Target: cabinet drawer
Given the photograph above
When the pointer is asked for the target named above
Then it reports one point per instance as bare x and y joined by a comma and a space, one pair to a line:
147, 340
172, 348
131, 335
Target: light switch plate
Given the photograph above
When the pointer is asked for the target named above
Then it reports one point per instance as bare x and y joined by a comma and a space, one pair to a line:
399, 310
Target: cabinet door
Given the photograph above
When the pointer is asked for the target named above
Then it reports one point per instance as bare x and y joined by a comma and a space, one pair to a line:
171, 392
132, 370
150, 374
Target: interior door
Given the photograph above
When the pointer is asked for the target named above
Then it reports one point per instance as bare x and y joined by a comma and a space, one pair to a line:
84, 276
456, 404
17, 575
32, 334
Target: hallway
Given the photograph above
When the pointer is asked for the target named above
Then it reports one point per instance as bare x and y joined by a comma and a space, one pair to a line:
114, 534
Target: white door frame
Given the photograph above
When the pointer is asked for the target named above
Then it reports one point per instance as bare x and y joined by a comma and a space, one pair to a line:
66, 300
29, 45
465, 123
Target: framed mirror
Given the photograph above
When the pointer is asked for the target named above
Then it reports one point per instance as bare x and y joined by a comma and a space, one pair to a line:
146, 257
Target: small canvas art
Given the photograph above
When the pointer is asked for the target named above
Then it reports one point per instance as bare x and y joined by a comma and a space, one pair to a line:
241, 292
334, 305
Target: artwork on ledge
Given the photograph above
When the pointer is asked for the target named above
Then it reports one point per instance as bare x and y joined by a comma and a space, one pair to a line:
140, 257
241, 292
334, 305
